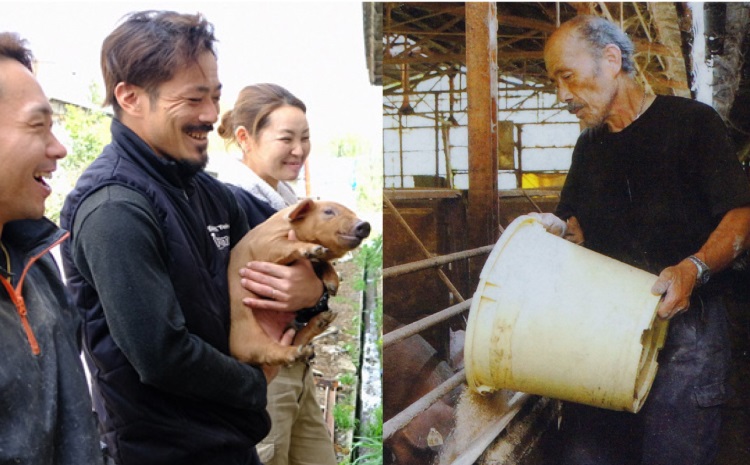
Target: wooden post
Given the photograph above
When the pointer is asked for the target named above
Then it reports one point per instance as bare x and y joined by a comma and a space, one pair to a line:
481, 72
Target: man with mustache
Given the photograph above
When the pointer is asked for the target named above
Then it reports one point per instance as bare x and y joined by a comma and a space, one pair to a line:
151, 234
653, 183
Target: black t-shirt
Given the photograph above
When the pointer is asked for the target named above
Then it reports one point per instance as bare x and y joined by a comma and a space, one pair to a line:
651, 194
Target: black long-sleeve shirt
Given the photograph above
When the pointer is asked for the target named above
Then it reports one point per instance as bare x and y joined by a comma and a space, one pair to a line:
147, 266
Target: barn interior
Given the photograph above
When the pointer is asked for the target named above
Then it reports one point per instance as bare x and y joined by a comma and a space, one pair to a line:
473, 138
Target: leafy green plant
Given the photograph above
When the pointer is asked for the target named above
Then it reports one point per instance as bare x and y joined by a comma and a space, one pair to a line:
354, 330
374, 427
368, 448
348, 379
343, 416
352, 349
370, 256
87, 132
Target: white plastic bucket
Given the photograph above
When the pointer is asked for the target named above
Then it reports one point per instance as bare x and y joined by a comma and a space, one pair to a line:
555, 319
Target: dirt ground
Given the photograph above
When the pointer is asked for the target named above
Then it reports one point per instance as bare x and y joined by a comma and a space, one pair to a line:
334, 350
331, 357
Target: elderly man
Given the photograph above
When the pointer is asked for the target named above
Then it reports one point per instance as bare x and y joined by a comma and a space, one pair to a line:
653, 183
45, 408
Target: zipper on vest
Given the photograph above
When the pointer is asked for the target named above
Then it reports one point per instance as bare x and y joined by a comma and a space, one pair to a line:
20, 305
16, 295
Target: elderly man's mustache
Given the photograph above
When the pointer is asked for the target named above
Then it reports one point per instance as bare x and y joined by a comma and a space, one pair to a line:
573, 107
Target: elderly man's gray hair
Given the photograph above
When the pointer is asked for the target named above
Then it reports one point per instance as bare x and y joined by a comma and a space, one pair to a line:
599, 32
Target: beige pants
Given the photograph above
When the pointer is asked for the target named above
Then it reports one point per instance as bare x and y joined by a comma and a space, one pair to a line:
298, 433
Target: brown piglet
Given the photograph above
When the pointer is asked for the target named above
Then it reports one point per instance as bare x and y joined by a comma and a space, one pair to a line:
324, 231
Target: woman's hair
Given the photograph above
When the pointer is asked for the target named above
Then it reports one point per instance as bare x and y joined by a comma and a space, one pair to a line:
253, 107
149, 47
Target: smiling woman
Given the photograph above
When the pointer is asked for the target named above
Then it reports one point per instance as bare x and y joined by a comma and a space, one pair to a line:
270, 125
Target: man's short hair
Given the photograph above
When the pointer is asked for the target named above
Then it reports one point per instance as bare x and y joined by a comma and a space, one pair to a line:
13, 47
599, 32
149, 47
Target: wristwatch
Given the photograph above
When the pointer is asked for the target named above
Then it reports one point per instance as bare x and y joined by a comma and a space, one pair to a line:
704, 272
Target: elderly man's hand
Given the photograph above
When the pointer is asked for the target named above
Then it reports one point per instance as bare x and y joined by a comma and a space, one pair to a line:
551, 223
676, 283
574, 232
569, 230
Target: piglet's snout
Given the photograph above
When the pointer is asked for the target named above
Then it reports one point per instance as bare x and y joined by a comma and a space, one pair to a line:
362, 229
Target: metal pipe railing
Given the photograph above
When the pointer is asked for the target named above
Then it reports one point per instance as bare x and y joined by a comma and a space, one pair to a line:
420, 325
406, 268
387, 203
403, 418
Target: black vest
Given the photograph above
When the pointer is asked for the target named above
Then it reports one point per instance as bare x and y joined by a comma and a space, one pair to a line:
195, 212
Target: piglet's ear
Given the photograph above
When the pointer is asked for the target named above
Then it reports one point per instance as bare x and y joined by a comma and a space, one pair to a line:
301, 209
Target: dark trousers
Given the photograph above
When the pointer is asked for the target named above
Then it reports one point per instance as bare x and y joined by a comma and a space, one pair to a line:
248, 457
680, 421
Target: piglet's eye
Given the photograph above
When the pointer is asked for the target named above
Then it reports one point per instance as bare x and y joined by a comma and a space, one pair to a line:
329, 211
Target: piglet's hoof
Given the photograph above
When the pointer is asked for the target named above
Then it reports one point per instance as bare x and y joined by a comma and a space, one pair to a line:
324, 319
333, 288
305, 352
317, 251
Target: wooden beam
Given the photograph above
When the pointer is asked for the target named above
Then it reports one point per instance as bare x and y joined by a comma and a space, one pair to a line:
653, 48
666, 23
481, 74
405, 31
459, 58
441, 7
526, 23
677, 86
432, 12
438, 58
420, 193
582, 8
518, 38
641, 46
